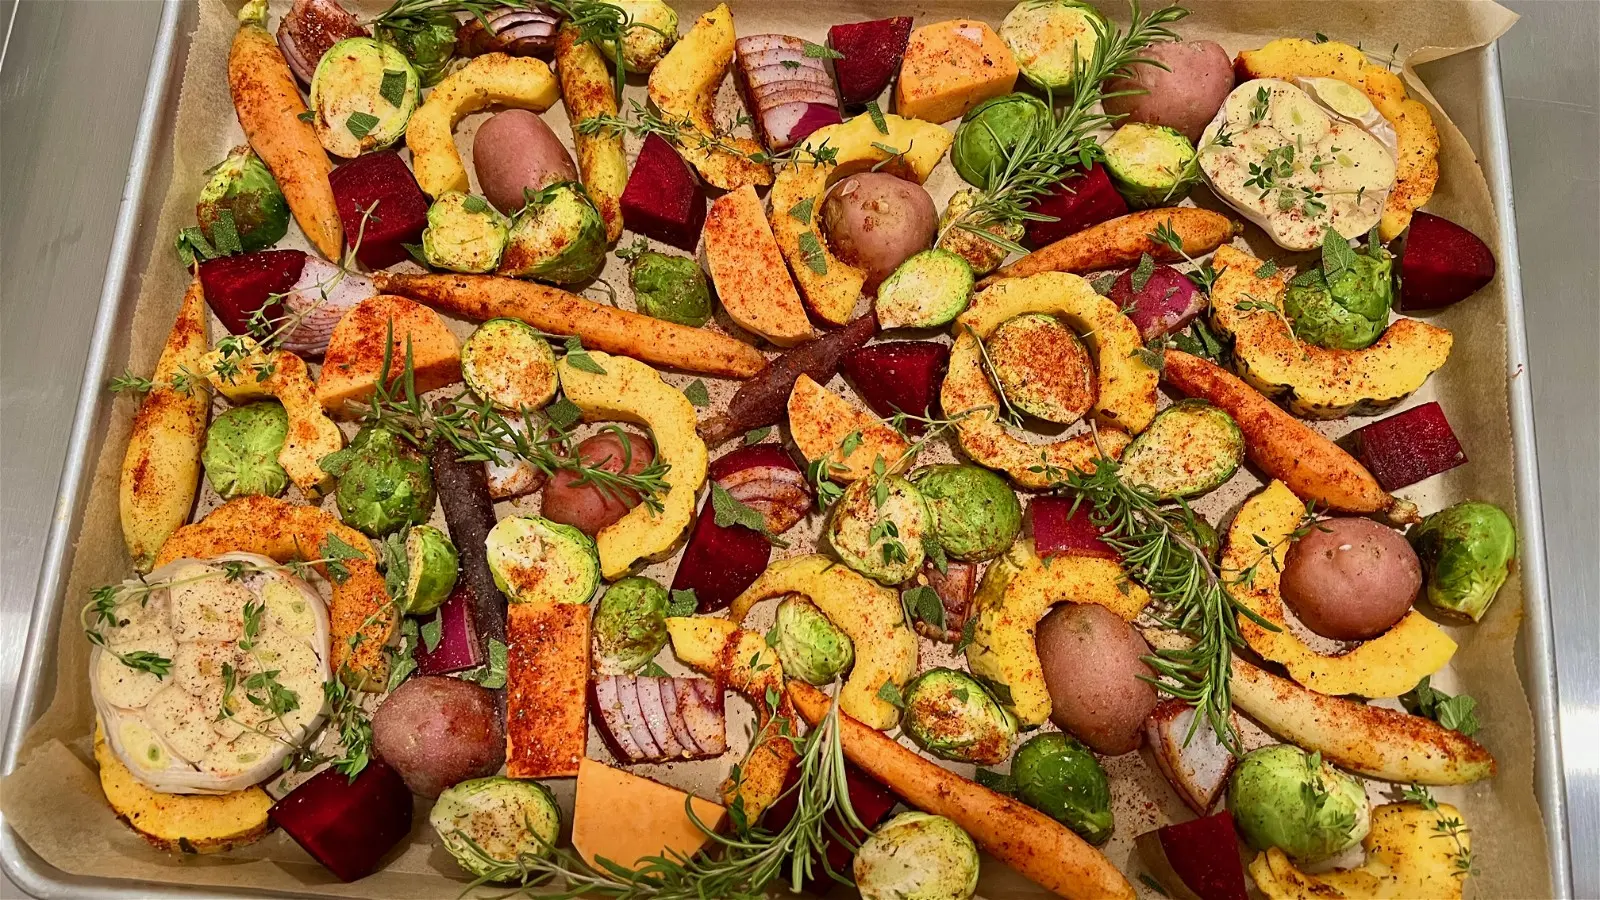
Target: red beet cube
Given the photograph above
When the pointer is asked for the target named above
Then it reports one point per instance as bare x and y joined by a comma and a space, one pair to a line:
237, 286
1407, 447
1441, 264
348, 825
1060, 530
872, 52
663, 199
1196, 859
400, 214
871, 802
1077, 202
898, 376
720, 562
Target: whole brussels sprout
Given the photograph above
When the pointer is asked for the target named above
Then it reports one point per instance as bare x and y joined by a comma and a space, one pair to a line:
976, 515
670, 288
242, 187
1061, 778
917, 856
558, 237
652, 30
384, 482
242, 447
1283, 797
1348, 311
953, 716
430, 48
630, 625
1466, 552
809, 645
989, 130
983, 255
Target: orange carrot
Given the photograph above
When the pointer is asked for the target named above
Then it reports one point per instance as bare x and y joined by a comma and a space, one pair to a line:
1120, 242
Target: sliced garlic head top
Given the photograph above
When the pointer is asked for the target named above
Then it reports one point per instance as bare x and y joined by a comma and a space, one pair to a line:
1297, 161
194, 728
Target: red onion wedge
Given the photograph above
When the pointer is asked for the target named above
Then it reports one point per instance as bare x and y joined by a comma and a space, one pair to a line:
1199, 771
515, 30
792, 123
613, 722
655, 716
765, 478
791, 93
459, 648
320, 298
633, 717
955, 587
680, 728
700, 707
309, 29
659, 719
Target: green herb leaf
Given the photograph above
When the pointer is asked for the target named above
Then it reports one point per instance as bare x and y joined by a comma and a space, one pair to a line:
579, 358
335, 552
934, 551
1457, 713
757, 435
682, 603
491, 675
393, 87
474, 204
1152, 884
876, 113
361, 124
563, 413
652, 669
811, 250
849, 444
403, 663
1102, 284
1142, 273
192, 245
225, 233
1337, 257
417, 254
309, 116
890, 694
801, 212
1267, 269
924, 603
697, 393
817, 51
730, 511
791, 64
969, 631
432, 631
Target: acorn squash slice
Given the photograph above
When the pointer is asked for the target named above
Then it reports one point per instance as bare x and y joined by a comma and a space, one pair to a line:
1386, 666
180, 823
1125, 384
1016, 592
1310, 381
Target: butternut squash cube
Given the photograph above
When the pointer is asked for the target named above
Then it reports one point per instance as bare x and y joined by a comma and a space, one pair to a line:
354, 360
950, 67
547, 689
749, 273
624, 818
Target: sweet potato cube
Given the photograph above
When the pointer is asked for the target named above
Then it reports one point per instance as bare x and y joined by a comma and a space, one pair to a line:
382, 183
748, 271
950, 67
1407, 447
663, 199
354, 361
547, 689
872, 52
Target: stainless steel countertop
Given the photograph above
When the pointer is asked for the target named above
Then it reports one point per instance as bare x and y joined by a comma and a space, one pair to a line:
72, 73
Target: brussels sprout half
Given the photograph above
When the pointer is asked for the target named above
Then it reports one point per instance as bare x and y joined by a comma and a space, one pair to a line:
809, 645
363, 94
558, 237
1466, 552
1150, 165
535, 560
953, 716
431, 569
976, 515
510, 364
630, 626
430, 48
464, 234
877, 527
242, 447
928, 290
1190, 447
385, 483
666, 287
1048, 39
488, 824
1283, 797
1061, 778
242, 189
917, 856
652, 30
989, 130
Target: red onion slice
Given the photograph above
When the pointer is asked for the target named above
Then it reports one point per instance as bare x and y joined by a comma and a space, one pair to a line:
766, 77
680, 730
1199, 771
655, 717
608, 704
516, 477
321, 297
779, 494
757, 43
517, 30
796, 92
633, 717
777, 57
700, 705
791, 123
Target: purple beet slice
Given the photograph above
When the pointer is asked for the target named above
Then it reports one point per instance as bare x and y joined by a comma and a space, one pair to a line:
1407, 447
237, 286
898, 376
1442, 263
720, 562
1077, 202
382, 183
663, 199
1060, 530
1166, 303
872, 52
347, 824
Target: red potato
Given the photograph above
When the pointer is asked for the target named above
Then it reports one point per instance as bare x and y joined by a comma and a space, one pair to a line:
1167, 302
875, 221
1093, 671
1351, 579
516, 151
438, 731
586, 506
1185, 96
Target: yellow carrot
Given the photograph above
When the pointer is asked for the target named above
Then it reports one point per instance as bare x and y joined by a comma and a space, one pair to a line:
586, 89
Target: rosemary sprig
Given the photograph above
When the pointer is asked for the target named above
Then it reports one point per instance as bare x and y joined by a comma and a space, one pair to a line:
1033, 166
413, 15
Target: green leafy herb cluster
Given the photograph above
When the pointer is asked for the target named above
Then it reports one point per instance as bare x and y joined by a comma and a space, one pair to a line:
1458, 713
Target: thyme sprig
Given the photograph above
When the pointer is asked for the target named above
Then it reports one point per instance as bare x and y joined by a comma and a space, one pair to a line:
643, 120
1061, 140
1445, 827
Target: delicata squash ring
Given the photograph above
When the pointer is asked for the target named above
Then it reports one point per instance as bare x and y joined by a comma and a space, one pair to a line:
870, 614
493, 78
1016, 592
284, 532
1126, 386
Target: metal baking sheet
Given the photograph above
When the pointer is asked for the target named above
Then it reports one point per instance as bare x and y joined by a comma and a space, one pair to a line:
1473, 96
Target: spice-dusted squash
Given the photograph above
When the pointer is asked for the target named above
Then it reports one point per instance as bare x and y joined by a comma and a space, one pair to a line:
1315, 382
741, 659
1409, 855
950, 67
547, 689
656, 822
1386, 666
354, 361
630, 391
748, 270
493, 79
825, 425
684, 87
870, 614
1417, 162
312, 435
1016, 592
586, 90
180, 823
829, 285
